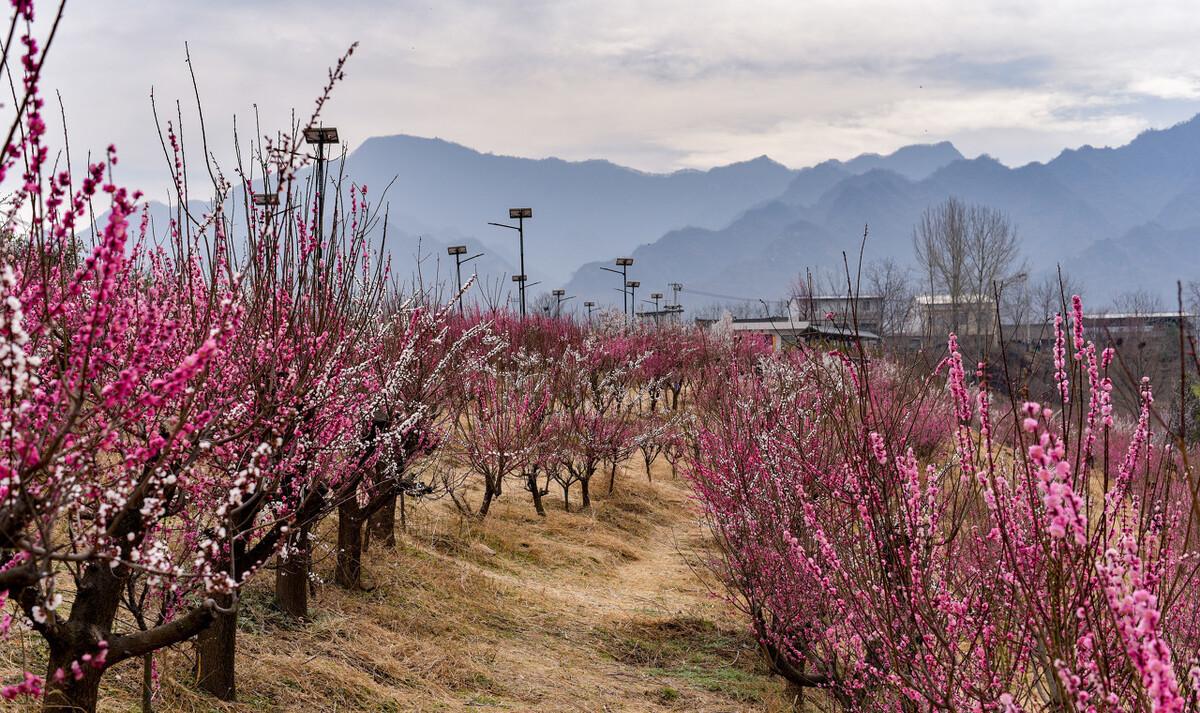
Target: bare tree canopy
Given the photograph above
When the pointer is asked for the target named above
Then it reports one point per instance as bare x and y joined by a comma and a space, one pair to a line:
965, 249
892, 283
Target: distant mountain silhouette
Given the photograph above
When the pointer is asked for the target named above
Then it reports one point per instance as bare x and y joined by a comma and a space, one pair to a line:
582, 210
1119, 219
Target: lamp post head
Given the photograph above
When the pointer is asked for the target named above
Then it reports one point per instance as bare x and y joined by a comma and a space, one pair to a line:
558, 293
456, 250
520, 212
633, 283
624, 261
656, 295
321, 135
519, 278
589, 303
265, 199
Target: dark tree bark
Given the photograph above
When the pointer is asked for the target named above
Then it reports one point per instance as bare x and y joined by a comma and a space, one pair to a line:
215, 648
70, 695
585, 492
291, 577
381, 528
348, 571
148, 683
489, 492
531, 482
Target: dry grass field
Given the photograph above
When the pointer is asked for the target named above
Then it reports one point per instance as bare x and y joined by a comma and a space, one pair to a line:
591, 611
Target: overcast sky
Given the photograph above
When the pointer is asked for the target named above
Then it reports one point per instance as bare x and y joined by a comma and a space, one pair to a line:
653, 85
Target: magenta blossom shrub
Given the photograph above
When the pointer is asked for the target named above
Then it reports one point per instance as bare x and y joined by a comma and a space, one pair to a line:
1028, 573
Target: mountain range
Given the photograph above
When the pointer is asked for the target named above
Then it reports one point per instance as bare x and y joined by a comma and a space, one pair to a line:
1116, 219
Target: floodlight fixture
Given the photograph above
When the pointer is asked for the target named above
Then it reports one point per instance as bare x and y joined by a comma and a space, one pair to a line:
265, 199
558, 293
634, 284
520, 213
456, 250
519, 278
624, 261
656, 295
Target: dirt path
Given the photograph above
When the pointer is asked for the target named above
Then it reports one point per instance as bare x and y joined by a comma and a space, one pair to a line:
580, 611
648, 634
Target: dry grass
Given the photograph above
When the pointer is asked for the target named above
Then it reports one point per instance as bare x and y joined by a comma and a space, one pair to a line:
581, 611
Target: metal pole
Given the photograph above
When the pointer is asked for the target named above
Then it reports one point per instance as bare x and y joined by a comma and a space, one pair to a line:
625, 291
521, 233
458, 271
320, 198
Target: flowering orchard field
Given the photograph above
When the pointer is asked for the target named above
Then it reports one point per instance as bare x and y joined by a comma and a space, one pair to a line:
180, 415
1044, 558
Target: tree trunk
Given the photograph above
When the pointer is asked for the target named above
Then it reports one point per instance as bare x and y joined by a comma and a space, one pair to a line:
148, 683
488, 494
90, 621
381, 528
215, 647
585, 492
612, 478
403, 516
532, 482
69, 694
567, 498
649, 477
291, 577
349, 554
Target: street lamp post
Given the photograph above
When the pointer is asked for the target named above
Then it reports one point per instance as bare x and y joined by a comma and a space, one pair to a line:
590, 306
458, 251
656, 296
633, 285
623, 263
320, 136
520, 214
559, 299
520, 280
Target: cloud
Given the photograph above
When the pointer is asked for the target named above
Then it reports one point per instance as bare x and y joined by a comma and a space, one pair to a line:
658, 85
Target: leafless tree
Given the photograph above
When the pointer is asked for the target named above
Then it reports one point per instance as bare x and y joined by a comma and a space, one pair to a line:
1138, 302
1052, 295
966, 250
893, 284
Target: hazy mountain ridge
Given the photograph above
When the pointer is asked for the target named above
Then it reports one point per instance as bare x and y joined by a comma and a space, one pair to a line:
582, 209
1120, 218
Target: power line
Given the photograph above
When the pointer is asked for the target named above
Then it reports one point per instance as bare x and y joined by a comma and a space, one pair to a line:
723, 297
